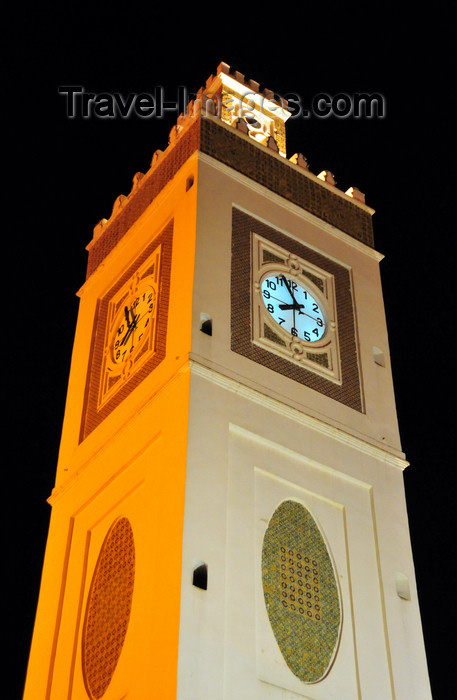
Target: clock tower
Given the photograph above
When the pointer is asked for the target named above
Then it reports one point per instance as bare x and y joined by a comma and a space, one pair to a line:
228, 517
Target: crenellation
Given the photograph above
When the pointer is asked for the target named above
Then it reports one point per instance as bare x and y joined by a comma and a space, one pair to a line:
253, 85
118, 204
155, 156
355, 193
207, 106
137, 179
300, 160
209, 81
327, 176
241, 125
272, 144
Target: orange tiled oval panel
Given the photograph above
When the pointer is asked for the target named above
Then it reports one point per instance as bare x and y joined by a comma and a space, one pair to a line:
108, 608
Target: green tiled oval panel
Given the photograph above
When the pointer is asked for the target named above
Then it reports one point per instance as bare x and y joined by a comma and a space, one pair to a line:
301, 592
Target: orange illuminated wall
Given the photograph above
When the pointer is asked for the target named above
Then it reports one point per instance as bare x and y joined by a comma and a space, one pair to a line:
108, 615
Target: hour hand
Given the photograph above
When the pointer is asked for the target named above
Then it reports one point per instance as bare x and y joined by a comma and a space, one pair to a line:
127, 335
131, 325
134, 318
288, 307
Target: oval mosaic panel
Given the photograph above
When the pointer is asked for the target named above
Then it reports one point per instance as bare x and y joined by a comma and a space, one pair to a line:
108, 608
301, 592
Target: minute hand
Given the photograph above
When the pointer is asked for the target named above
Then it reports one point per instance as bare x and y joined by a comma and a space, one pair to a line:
131, 327
295, 306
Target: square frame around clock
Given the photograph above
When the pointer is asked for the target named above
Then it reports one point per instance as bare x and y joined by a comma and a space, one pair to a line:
101, 398
321, 357
247, 340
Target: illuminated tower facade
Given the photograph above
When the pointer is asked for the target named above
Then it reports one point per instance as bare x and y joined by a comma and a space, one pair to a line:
228, 518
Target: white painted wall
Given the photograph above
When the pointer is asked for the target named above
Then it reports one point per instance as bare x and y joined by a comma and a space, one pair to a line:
246, 454
219, 189
257, 438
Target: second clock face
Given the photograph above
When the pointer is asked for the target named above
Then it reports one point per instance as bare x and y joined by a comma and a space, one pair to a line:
293, 307
133, 322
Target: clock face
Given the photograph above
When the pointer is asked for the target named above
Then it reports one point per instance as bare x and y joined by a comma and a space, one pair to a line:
129, 337
133, 323
292, 306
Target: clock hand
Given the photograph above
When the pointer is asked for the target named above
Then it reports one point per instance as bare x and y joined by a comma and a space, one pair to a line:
313, 318
129, 325
134, 318
127, 335
131, 328
295, 306
288, 288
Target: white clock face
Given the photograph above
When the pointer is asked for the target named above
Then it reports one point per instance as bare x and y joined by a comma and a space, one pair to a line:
293, 307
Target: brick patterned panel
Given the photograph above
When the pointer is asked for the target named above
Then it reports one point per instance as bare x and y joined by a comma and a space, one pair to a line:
247, 157
92, 415
350, 391
150, 187
279, 176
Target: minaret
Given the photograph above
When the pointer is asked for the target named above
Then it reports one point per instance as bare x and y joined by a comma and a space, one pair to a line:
228, 517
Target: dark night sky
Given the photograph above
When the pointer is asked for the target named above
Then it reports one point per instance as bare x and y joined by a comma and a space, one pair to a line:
64, 175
